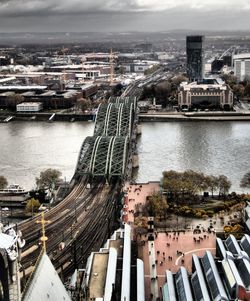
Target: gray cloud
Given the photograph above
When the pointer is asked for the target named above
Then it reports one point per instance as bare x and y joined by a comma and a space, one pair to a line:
122, 15
54, 7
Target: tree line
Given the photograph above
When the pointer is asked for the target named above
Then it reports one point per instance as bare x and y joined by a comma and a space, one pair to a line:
240, 89
48, 179
187, 184
165, 92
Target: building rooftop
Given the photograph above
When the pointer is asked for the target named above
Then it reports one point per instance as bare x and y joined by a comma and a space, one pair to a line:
26, 104
98, 275
6, 241
195, 85
241, 56
7, 79
7, 93
29, 93
48, 93
23, 87
45, 283
224, 277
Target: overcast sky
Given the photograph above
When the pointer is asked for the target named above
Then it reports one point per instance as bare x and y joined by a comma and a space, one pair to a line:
123, 15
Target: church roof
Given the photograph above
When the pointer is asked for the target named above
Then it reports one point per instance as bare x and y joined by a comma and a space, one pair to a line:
45, 283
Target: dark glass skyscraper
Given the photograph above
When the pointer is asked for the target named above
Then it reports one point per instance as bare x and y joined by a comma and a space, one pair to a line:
194, 57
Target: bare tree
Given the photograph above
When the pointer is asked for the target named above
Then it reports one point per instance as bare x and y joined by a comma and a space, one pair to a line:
3, 182
245, 181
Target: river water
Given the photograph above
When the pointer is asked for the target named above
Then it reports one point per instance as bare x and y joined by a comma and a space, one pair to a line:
27, 148
211, 147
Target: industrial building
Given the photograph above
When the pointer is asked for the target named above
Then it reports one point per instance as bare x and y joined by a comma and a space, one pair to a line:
241, 64
87, 90
49, 99
29, 107
195, 53
225, 277
139, 66
206, 95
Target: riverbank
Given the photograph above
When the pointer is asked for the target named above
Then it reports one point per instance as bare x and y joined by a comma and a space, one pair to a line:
150, 116
45, 116
194, 116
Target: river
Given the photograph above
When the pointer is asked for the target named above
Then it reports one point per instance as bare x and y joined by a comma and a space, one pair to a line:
215, 148
27, 148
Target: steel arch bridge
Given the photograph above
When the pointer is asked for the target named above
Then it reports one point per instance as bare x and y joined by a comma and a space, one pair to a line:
115, 118
103, 156
126, 100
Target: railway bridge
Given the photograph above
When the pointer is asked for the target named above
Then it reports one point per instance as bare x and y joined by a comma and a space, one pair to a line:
106, 152
86, 217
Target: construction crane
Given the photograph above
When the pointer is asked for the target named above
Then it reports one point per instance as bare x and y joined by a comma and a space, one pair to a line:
64, 50
63, 74
111, 62
230, 49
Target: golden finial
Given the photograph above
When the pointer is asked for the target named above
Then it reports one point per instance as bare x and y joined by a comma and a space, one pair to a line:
44, 238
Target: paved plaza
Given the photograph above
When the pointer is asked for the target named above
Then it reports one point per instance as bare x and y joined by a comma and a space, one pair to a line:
170, 249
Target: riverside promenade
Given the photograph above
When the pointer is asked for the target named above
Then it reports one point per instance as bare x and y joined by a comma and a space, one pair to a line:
194, 116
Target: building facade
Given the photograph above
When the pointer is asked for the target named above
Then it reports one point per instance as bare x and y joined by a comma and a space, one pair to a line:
29, 107
242, 66
205, 96
194, 49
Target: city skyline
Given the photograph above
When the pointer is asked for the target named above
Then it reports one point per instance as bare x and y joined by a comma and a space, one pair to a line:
117, 15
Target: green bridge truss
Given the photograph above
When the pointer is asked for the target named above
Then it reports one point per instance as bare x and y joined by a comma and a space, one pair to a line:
105, 153
103, 156
115, 118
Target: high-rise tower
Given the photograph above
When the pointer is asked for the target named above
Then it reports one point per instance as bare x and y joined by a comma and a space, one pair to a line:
194, 57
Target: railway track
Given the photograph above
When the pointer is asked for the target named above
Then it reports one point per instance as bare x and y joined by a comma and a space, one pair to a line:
81, 222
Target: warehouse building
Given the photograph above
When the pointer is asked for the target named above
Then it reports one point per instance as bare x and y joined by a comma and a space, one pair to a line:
29, 107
